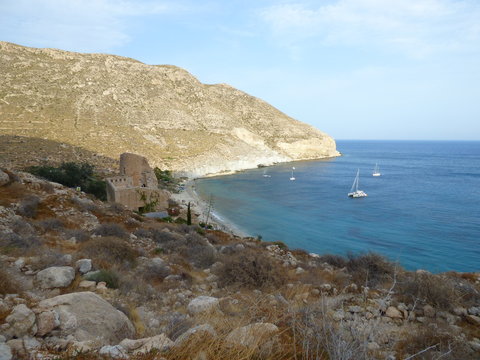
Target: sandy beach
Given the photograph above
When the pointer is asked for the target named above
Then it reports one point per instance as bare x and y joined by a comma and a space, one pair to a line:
199, 207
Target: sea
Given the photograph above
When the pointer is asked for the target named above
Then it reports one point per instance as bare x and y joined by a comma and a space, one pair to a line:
423, 211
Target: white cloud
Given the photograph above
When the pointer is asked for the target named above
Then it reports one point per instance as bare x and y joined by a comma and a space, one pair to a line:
415, 27
81, 25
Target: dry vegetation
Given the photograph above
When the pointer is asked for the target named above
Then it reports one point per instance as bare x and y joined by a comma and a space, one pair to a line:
327, 307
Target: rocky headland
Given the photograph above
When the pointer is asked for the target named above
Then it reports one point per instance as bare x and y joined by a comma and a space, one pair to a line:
108, 105
83, 279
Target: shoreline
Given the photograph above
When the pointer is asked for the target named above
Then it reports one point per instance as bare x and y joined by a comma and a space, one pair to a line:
199, 207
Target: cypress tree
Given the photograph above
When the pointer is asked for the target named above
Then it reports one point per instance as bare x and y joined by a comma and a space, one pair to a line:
189, 215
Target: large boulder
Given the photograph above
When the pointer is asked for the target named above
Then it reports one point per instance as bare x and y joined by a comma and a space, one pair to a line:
85, 316
84, 265
19, 323
55, 277
203, 304
5, 352
253, 336
197, 333
4, 178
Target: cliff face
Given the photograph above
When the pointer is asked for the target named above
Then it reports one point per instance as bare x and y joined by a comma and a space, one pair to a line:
110, 105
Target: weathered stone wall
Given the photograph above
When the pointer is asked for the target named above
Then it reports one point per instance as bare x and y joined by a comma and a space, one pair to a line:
136, 185
137, 168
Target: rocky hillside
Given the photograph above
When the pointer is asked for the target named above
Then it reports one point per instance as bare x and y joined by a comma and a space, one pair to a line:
109, 105
81, 279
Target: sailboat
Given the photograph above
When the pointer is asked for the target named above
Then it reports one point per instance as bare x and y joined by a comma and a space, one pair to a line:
292, 178
354, 192
265, 174
376, 171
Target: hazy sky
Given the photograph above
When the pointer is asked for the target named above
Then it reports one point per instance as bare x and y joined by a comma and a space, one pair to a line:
357, 69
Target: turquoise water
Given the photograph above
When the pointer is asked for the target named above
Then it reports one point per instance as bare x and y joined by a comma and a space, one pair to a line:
424, 211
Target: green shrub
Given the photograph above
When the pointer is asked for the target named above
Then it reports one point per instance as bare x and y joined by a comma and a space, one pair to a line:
73, 175
110, 277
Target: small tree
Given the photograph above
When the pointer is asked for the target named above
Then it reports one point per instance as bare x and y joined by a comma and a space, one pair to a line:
189, 215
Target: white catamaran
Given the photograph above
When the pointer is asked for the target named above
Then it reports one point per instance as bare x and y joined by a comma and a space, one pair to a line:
376, 171
354, 192
293, 177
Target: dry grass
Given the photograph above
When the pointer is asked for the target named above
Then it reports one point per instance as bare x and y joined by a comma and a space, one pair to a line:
251, 269
440, 342
111, 229
8, 285
431, 289
28, 206
109, 251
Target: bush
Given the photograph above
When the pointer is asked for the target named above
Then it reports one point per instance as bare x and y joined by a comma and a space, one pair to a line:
46, 257
111, 229
201, 256
369, 268
432, 289
8, 285
442, 344
142, 233
108, 276
109, 249
78, 234
250, 269
51, 224
11, 240
155, 271
28, 206
333, 260
72, 175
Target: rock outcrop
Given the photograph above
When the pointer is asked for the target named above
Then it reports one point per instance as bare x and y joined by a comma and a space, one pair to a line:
109, 105
85, 316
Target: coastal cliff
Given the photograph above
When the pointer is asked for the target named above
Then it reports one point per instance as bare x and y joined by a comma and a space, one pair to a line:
109, 105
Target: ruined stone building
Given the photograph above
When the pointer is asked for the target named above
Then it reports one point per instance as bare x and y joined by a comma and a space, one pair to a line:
136, 185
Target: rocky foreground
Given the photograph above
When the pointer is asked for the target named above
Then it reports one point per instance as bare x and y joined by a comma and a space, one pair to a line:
81, 279
109, 105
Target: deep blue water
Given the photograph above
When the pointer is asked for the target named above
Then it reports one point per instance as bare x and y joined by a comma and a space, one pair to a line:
424, 211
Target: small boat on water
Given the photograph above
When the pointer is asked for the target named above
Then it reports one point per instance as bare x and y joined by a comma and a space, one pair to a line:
376, 171
292, 178
265, 174
354, 192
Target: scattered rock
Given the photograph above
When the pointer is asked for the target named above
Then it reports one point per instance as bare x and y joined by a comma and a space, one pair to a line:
21, 322
85, 316
472, 319
115, 352
55, 277
460, 311
252, 336
23, 347
355, 309
393, 313
4, 178
200, 332
46, 322
203, 304
84, 265
5, 352
160, 342
474, 310
429, 311
87, 285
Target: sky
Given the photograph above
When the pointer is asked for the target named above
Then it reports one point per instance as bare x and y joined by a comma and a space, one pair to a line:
356, 69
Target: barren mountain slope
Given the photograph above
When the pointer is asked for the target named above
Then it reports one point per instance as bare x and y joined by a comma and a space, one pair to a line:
109, 104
